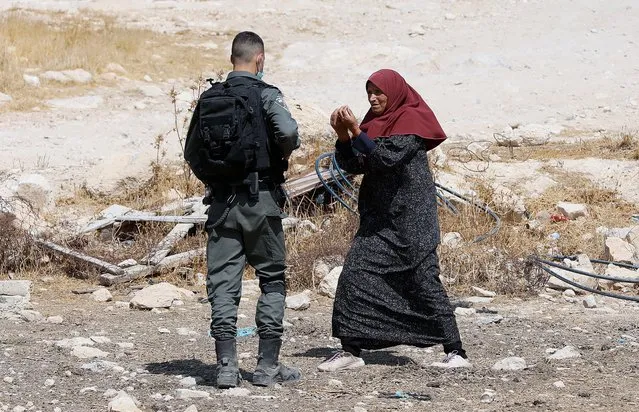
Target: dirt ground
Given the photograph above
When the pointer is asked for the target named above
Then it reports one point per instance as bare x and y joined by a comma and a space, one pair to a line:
604, 378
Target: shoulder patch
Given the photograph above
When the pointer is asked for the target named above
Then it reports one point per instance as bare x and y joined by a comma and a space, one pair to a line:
280, 102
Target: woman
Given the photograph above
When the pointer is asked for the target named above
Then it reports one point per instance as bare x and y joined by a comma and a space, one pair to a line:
389, 292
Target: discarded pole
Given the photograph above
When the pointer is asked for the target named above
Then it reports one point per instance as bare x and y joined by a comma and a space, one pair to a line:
105, 266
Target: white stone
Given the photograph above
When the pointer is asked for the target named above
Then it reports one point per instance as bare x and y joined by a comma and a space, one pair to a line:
619, 272
33, 81
559, 384
452, 240
240, 392
320, 270
49, 382
5, 98
56, 320
147, 78
582, 263
31, 316
510, 204
191, 408
160, 295
78, 76
102, 295
335, 383
510, 364
55, 76
188, 382
488, 396
589, 302
484, 293
73, 342
328, 285
84, 352
126, 345
122, 304
100, 366
191, 394
123, 402
633, 238
151, 91
116, 68
164, 330
19, 409
618, 250
478, 299
567, 352
127, 263
100, 340
15, 287
465, 311
76, 103
8, 379
450, 16
488, 320
569, 293
185, 332
89, 389
301, 301
36, 190
12, 303
110, 393
572, 210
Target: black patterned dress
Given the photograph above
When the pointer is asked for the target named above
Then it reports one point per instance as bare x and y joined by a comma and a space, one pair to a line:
389, 292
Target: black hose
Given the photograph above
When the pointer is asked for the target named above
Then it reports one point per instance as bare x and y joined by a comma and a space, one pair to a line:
325, 183
584, 273
599, 261
540, 263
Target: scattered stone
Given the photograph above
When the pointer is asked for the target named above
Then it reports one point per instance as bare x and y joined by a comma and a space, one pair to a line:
191, 394
5, 98
301, 301
127, 263
191, 408
122, 305
73, 342
151, 91
509, 204
452, 240
147, 78
78, 76
478, 300
465, 311
559, 384
484, 293
100, 366
489, 320
100, 340
488, 396
31, 316
251, 287
102, 295
123, 402
115, 68
49, 382
582, 263
417, 30
510, 364
177, 302
188, 382
236, 392
8, 379
33, 81
450, 16
569, 293
160, 295
55, 320
139, 106
590, 302
15, 288
110, 393
633, 238
335, 383
77, 103
164, 330
185, 332
572, 210
55, 76
19, 409
84, 352
618, 250
567, 352
328, 285
126, 345
89, 389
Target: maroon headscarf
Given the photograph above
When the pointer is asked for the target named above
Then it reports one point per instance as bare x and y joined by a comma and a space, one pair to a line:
406, 112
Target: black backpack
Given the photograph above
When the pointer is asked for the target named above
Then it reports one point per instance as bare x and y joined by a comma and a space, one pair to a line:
228, 139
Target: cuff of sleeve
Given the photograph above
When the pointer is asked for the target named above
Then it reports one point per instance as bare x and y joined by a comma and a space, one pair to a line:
344, 148
363, 143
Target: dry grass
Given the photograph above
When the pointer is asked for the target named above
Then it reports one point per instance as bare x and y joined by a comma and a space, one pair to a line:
34, 42
622, 145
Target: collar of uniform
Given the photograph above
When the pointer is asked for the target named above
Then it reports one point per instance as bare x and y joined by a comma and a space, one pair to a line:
241, 74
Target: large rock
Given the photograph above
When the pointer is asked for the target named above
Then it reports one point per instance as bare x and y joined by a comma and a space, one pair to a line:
328, 285
510, 364
619, 272
33, 81
301, 301
73, 342
527, 135
151, 91
633, 238
5, 98
102, 295
78, 75
568, 352
572, 210
618, 250
55, 76
452, 240
35, 190
582, 263
86, 352
160, 295
15, 288
123, 402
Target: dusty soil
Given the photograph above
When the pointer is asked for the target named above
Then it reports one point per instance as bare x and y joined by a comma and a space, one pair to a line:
604, 378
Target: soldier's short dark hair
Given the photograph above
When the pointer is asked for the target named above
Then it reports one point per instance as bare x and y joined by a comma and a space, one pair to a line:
245, 46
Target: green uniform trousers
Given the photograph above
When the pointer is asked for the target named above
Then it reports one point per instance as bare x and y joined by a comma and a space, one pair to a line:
252, 232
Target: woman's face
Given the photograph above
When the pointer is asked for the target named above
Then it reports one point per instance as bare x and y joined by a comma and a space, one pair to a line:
376, 98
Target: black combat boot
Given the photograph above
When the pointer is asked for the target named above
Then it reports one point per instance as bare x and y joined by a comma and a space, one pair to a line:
269, 370
228, 372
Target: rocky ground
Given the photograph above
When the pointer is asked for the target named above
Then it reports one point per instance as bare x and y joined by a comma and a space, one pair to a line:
81, 353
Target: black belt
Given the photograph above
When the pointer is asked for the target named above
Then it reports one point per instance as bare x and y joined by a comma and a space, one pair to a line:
219, 189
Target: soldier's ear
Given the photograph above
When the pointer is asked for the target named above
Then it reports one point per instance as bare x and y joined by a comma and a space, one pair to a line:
231, 58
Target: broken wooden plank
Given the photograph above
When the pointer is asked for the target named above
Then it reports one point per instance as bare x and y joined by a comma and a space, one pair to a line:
142, 271
165, 246
306, 183
165, 219
105, 266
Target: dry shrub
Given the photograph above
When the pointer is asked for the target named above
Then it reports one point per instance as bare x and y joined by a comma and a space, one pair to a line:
304, 247
35, 42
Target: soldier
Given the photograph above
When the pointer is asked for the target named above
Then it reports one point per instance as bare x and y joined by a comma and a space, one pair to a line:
245, 215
